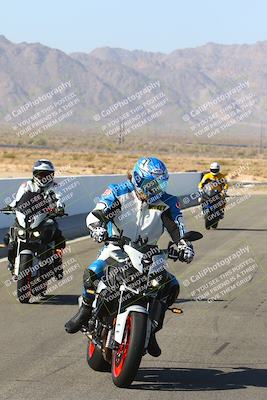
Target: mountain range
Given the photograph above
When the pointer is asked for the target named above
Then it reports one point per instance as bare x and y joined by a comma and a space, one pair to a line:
188, 77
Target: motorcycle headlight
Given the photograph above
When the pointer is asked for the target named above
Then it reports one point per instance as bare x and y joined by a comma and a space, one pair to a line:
36, 234
154, 283
21, 233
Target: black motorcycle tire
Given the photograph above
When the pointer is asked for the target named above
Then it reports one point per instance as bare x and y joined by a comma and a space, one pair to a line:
95, 359
123, 376
24, 278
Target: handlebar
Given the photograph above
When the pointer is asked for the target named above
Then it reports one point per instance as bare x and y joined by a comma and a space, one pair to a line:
7, 211
120, 241
51, 214
192, 236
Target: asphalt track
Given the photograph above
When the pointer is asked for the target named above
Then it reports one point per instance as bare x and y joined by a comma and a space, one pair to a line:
215, 350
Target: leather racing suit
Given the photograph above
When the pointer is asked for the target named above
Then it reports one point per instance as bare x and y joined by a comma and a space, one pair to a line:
120, 210
52, 196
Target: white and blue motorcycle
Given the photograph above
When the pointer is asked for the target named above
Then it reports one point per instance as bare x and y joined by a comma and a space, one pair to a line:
127, 307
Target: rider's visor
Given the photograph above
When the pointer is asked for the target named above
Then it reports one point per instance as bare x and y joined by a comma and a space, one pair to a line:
44, 176
214, 170
154, 187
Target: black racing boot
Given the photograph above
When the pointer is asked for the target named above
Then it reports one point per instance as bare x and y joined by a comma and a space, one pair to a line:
153, 347
81, 318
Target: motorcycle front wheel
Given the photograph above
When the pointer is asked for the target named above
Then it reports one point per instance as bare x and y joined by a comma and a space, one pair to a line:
38, 285
127, 358
24, 278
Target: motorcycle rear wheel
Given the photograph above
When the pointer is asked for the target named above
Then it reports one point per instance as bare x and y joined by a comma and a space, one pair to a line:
95, 359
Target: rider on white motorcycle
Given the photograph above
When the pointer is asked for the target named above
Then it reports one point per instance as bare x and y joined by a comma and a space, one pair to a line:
42, 182
141, 208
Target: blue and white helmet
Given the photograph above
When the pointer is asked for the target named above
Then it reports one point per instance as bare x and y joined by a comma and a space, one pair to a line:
150, 178
43, 172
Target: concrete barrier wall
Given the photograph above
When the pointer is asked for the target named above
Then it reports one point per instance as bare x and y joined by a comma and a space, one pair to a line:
80, 193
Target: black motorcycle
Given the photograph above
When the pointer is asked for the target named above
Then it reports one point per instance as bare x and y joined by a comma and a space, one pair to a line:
213, 203
33, 237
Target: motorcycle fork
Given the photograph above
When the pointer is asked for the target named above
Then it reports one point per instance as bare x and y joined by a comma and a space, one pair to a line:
17, 260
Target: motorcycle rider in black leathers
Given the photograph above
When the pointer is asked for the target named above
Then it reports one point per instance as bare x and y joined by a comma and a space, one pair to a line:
41, 182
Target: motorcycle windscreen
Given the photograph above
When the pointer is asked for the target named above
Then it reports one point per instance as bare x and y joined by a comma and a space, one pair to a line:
211, 189
32, 205
135, 257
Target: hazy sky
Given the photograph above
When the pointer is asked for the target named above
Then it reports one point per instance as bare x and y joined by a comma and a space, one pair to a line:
156, 25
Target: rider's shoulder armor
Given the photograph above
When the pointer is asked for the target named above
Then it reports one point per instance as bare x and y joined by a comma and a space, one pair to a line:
172, 204
212, 177
208, 176
115, 192
28, 186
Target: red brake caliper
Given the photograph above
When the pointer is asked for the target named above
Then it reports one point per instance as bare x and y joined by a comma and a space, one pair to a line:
120, 356
91, 349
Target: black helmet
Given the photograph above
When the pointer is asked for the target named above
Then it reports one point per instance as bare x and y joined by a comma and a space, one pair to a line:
43, 173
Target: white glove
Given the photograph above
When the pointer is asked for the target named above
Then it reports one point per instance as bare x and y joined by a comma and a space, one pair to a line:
172, 252
99, 234
186, 251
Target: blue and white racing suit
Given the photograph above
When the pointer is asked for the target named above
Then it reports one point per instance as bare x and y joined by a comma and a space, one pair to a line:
120, 210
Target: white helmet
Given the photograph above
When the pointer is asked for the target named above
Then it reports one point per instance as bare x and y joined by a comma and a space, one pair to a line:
215, 168
43, 173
